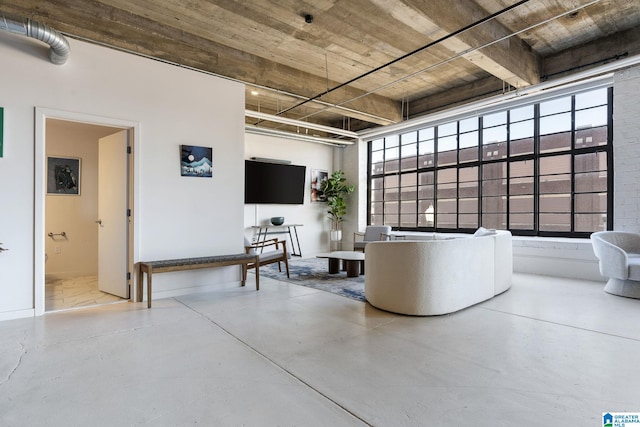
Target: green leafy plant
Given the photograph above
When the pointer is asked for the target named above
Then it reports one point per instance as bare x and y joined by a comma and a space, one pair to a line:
336, 189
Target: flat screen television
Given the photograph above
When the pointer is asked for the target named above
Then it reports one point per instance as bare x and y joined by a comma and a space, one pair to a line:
273, 183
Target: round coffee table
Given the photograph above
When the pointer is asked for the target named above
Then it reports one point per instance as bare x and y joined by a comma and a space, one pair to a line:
353, 262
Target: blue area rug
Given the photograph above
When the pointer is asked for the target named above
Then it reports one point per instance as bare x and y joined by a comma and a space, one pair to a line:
313, 273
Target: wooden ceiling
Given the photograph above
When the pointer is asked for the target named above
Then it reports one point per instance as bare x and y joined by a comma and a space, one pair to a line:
359, 63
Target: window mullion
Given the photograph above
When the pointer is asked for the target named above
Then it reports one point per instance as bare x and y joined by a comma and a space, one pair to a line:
508, 189
458, 175
436, 167
480, 168
536, 169
610, 206
572, 222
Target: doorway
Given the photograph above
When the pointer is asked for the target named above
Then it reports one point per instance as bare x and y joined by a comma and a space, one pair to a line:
87, 218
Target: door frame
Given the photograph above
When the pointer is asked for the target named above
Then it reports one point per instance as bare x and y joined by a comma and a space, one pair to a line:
41, 116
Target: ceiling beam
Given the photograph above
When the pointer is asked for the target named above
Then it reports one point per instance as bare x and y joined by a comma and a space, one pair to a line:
298, 123
114, 27
489, 86
511, 60
596, 52
570, 61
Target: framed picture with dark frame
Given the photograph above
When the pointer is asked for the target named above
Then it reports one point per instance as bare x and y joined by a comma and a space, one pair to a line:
317, 176
196, 161
63, 176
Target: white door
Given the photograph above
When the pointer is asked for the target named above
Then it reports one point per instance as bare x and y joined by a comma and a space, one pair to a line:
112, 214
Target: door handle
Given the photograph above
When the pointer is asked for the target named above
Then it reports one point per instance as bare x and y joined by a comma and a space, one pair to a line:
99, 222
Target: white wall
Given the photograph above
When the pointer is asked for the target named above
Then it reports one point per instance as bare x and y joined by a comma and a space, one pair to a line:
174, 216
354, 162
626, 154
313, 235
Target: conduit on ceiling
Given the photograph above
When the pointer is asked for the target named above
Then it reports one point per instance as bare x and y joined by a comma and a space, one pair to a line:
449, 59
299, 123
296, 136
60, 49
409, 54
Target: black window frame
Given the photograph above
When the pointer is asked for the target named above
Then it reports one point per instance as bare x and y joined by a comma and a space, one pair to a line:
508, 159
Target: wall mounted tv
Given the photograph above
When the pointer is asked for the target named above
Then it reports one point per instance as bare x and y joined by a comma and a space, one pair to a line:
273, 183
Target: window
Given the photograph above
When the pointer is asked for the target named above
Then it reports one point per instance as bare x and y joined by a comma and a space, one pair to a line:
539, 169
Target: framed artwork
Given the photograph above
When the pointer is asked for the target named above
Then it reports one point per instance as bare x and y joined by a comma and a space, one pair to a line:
317, 176
63, 176
196, 161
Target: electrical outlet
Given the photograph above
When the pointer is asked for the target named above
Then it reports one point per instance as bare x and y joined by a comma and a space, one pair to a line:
58, 249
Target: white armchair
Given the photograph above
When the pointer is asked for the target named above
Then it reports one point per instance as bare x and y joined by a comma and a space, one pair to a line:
618, 253
372, 233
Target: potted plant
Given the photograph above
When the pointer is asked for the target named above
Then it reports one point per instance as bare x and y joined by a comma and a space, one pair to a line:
336, 189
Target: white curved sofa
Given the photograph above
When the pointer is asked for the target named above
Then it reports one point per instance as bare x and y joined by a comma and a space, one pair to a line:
432, 277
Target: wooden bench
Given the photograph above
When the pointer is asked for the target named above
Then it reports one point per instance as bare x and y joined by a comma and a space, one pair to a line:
151, 267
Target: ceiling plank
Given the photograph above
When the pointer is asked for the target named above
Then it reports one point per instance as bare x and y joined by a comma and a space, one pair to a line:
594, 21
578, 58
511, 60
94, 20
607, 49
269, 45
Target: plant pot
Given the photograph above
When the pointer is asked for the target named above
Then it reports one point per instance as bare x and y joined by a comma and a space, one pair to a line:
335, 240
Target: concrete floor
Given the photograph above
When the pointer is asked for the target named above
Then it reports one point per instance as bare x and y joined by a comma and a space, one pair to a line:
547, 352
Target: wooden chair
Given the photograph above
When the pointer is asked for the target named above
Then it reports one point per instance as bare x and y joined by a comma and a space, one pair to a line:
276, 251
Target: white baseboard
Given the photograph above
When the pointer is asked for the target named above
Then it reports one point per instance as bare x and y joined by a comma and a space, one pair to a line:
568, 258
18, 314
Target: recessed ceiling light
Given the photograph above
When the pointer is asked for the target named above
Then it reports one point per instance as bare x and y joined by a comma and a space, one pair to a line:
254, 92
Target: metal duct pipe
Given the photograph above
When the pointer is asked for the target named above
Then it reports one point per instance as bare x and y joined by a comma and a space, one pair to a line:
60, 49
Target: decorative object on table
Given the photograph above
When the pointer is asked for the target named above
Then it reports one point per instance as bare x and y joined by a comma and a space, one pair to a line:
63, 176
277, 220
196, 161
318, 176
336, 190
